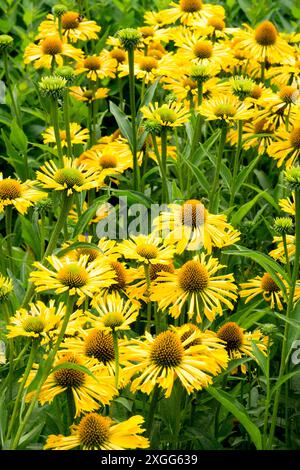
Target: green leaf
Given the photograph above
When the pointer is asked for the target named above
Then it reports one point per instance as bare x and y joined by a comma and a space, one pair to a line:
243, 175
201, 179
122, 121
244, 209
18, 138
260, 358
282, 380
232, 405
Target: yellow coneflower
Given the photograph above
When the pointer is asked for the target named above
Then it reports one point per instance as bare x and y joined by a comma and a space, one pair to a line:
189, 12
114, 313
196, 285
20, 195
250, 137
138, 288
190, 226
225, 108
146, 68
75, 277
147, 249
286, 148
74, 27
96, 432
168, 115
101, 66
265, 286
279, 252
88, 391
88, 95
170, 356
288, 205
6, 287
71, 178
78, 135
49, 51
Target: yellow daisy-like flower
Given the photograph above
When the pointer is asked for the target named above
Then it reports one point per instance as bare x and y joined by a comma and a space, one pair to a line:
6, 287
169, 356
146, 68
114, 313
286, 149
88, 95
49, 51
20, 195
265, 286
74, 27
89, 391
196, 285
238, 342
77, 278
225, 108
168, 115
250, 137
78, 135
37, 322
138, 288
146, 249
190, 226
279, 252
71, 178
288, 70
288, 205
101, 66
265, 43
96, 432
189, 12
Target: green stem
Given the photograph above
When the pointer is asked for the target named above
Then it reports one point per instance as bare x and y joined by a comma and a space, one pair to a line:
263, 68
165, 192
7, 313
8, 227
152, 409
22, 386
236, 163
59, 27
286, 254
268, 395
54, 116
8, 84
133, 118
67, 123
66, 206
42, 233
148, 281
215, 184
290, 305
117, 363
46, 369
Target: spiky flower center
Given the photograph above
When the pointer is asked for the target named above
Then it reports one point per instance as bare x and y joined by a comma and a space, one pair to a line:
190, 6
69, 177
224, 110
33, 325
70, 20
118, 54
193, 213
147, 31
266, 34
203, 49
268, 285
232, 334
191, 329
120, 275
289, 94
70, 378
108, 160
93, 431
113, 320
193, 277
92, 63
216, 22
148, 63
167, 350
156, 268
73, 275
10, 189
256, 92
166, 114
295, 138
52, 46
92, 253
147, 250
100, 345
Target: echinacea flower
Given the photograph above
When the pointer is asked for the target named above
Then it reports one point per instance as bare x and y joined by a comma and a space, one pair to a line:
265, 286
49, 51
6, 287
147, 249
97, 66
188, 12
77, 134
88, 95
279, 252
196, 285
286, 149
114, 313
74, 27
168, 115
96, 432
20, 195
225, 108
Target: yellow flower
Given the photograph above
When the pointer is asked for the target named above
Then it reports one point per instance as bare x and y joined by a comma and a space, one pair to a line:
49, 51
288, 205
279, 252
168, 115
78, 135
146, 68
89, 391
139, 289
170, 356
37, 322
265, 43
286, 149
6, 287
20, 195
114, 313
72, 178
196, 285
146, 249
101, 66
190, 226
189, 12
88, 95
226, 108
250, 137
75, 277
74, 27
265, 286
96, 432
